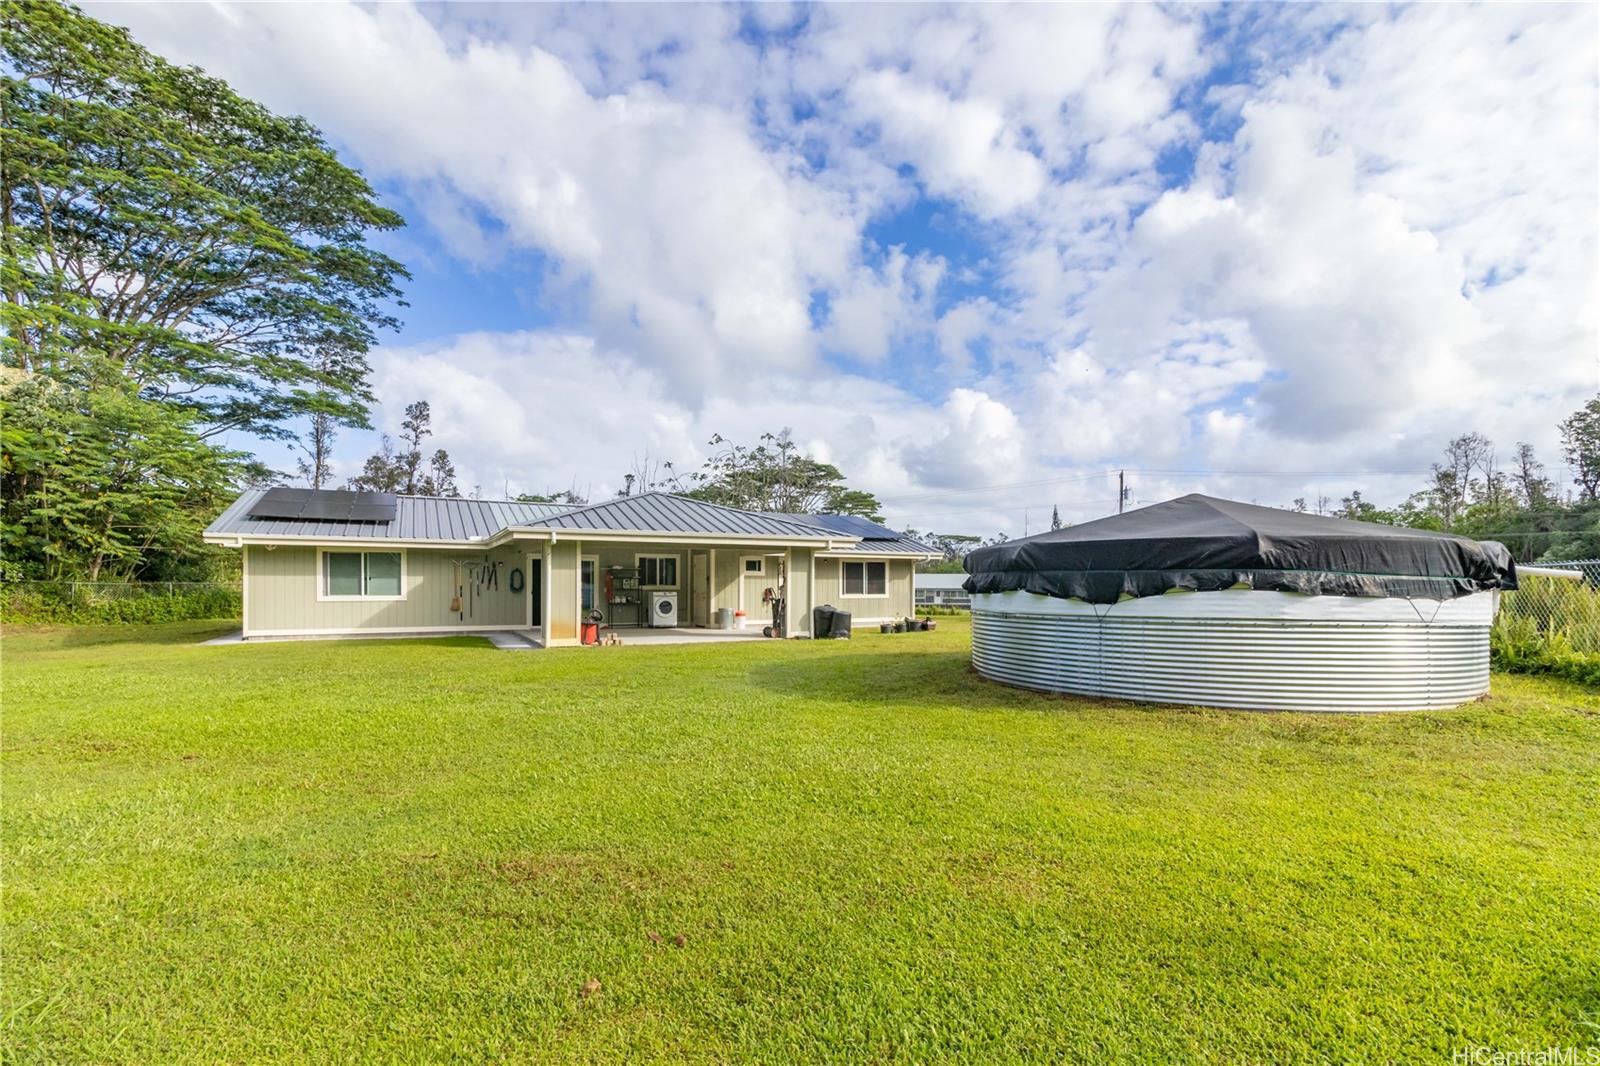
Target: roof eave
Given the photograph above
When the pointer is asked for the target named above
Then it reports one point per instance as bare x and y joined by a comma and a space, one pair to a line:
239, 540
558, 533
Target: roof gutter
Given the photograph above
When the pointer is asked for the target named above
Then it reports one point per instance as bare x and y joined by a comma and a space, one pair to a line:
631, 536
239, 540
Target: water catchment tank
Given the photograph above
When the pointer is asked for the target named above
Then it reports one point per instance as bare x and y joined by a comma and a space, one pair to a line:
1225, 604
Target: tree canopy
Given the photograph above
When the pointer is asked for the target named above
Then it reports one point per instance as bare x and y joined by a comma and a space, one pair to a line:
775, 475
405, 470
161, 227
176, 262
1474, 493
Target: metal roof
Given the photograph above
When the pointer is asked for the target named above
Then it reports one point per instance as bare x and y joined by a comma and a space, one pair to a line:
662, 512
848, 524
416, 518
900, 545
875, 538
456, 520
939, 581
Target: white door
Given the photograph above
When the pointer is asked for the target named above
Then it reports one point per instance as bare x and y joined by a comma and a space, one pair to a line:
699, 589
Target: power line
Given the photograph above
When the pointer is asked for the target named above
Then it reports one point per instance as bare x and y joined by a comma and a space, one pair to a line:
1072, 478
1066, 479
1285, 473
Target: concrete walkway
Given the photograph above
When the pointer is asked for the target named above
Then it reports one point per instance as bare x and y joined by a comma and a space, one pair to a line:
529, 639
504, 639
681, 635
514, 640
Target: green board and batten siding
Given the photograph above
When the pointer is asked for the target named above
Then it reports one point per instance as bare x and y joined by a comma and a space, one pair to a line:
282, 586
865, 609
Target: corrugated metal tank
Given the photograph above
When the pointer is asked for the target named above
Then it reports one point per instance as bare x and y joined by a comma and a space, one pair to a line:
1241, 648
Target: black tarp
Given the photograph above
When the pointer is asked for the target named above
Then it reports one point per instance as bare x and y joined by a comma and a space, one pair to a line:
1205, 544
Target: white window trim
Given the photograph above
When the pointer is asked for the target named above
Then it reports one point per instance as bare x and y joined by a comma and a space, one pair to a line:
677, 567
743, 572
843, 595
322, 575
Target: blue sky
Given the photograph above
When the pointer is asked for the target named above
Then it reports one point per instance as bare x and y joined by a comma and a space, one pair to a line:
978, 256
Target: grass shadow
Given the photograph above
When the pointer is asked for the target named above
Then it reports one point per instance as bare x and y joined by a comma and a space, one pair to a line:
31, 637
925, 678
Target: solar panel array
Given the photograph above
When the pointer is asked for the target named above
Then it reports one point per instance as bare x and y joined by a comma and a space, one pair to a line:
850, 525
325, 505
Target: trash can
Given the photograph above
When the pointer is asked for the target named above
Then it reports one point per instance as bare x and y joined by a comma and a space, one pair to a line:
841, 625
821, 622
724, 617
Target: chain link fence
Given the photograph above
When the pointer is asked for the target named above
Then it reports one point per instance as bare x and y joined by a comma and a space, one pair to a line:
118, 601
1562, 608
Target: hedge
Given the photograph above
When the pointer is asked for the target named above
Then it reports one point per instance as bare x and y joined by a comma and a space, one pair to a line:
67, 604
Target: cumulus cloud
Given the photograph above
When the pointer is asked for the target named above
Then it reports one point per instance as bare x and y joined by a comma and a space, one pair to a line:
1306, 238
980, 443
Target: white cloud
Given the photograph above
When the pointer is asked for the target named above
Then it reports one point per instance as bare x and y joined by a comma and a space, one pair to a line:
980, 442
505, 425
1391, 240
879, 307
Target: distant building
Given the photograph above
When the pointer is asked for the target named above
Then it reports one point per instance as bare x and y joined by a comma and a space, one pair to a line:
941, 590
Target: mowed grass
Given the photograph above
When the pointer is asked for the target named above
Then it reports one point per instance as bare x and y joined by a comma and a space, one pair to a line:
423, 850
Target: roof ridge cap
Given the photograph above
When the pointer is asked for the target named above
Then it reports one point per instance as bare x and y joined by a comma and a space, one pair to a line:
778, 516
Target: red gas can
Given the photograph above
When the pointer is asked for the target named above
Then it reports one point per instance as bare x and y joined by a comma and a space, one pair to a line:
591, 632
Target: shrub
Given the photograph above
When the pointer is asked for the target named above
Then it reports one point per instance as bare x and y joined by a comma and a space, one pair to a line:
1553, 605
1519, 645
68, 603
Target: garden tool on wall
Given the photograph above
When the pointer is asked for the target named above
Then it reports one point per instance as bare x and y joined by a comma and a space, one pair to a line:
774, 597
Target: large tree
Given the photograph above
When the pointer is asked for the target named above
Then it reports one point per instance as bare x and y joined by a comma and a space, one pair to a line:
775, 475
1580, 442
104, 486
176, 262
160, 228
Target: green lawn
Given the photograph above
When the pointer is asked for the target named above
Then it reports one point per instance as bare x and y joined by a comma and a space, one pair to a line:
419, 850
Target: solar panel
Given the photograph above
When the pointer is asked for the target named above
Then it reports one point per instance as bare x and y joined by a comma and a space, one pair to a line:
325, 505
854, 526
280, 503
340, 505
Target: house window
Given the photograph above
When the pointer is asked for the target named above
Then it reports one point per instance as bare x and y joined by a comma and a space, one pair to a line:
362, 575
755, 565
866, 579
658, 571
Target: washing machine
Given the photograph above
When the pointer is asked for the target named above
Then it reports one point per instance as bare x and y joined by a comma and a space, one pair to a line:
664, 608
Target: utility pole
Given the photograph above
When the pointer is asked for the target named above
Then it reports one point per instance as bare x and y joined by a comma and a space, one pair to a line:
1122, 491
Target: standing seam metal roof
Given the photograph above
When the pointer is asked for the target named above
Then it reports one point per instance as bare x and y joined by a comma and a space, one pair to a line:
448, 519
899, 545
662, 512
416, 518
875, 538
